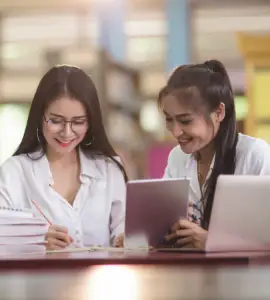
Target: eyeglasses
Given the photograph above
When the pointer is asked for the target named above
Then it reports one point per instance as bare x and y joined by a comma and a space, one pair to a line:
56, 125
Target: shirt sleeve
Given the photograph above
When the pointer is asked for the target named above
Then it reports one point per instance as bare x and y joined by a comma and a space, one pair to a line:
6, 171
167, 172
169, 169
258, 159
12, 186
118, 208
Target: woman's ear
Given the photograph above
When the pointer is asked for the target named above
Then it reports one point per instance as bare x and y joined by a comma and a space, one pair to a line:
220, 112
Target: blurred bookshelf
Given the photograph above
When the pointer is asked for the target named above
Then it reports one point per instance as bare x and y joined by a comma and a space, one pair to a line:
119, 93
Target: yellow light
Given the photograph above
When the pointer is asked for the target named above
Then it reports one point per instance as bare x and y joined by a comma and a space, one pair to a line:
112, 282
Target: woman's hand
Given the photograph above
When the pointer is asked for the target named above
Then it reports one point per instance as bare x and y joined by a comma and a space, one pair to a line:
57, 238
118, 241
188, 233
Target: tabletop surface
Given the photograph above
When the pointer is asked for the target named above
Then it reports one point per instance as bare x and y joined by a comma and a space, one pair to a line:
82, 259
104, 275
124, 282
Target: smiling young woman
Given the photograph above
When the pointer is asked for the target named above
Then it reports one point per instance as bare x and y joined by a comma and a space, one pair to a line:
198, 106
66, 164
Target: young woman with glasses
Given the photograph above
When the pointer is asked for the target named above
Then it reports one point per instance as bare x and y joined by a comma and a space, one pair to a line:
66, 164
198, 107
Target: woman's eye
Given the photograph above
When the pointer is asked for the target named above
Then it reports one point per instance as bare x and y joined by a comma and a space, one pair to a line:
55, 121
185, 122
79, 122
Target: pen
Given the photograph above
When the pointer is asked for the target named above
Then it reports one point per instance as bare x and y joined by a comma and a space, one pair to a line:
39, 209
45, 217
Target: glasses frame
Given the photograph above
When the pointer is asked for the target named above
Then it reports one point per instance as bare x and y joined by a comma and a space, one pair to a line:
65, 122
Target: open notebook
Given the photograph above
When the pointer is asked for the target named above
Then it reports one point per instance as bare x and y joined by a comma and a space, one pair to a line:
20, 227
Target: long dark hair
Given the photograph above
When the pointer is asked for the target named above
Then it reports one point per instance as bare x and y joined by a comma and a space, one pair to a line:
74, 82
204, 87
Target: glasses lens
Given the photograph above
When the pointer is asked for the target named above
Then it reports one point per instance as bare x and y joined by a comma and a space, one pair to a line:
55, 125
79, 127
59, 125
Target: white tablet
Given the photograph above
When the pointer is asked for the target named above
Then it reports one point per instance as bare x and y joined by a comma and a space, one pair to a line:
152, 207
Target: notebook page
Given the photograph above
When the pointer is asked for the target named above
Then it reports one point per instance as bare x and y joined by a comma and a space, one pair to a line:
6, 220
6, 211
19, 230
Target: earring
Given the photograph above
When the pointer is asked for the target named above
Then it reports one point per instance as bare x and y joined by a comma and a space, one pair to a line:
38, 136
88, 144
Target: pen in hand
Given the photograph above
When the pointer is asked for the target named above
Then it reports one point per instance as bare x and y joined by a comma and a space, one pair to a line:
50, 223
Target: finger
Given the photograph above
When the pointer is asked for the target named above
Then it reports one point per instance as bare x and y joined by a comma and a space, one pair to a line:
59, 236
60, 243
119, 241
191, 204
187, 224
53, 247
118, 244
175, 226
184, 241
190, 214
179, 233
59, 228
57, 243
71, 240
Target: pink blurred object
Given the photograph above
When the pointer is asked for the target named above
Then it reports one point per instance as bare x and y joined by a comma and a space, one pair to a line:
157, 159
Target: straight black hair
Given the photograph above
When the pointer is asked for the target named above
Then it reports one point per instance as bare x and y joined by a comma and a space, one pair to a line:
204, 87
67, 81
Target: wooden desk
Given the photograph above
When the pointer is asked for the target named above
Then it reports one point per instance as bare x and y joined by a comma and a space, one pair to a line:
86, 259
146, 282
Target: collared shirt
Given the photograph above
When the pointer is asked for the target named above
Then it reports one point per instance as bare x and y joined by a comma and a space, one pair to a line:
98, 211
252, 158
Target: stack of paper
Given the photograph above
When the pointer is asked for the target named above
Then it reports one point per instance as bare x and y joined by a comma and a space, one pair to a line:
20, 227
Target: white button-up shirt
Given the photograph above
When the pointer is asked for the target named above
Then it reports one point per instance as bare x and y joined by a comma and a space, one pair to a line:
252, 158
98, 211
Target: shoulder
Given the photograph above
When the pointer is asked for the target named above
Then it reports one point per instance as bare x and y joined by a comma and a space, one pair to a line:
12, 166
12, 171
177, 157
253, 154
109, 168
177, 163
252, 146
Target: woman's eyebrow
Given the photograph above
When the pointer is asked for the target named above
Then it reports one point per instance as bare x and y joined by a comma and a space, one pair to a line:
184, 115
61, 116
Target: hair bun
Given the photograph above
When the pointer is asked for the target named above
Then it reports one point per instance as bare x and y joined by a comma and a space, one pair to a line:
216, 66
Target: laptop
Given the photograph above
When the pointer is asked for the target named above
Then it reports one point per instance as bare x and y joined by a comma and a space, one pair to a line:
152, 207
240, 217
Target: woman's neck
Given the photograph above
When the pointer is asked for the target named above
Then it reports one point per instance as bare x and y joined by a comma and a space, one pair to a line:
206, 154
63, 160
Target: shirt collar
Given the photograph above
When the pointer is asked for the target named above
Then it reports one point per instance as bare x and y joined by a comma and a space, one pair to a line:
192, 158
90, 168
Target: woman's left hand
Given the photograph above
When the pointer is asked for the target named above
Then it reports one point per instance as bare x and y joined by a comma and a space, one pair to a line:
188, 233
119, 241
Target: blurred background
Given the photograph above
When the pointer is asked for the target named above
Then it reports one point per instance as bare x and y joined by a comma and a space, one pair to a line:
129, 47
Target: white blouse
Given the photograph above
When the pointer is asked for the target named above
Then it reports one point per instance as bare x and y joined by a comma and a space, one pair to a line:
252, 158
98, 211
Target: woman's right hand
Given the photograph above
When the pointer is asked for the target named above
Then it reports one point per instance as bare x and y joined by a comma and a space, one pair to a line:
57, 238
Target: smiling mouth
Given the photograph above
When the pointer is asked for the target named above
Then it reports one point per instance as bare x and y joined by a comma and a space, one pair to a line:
184, 141
64, 143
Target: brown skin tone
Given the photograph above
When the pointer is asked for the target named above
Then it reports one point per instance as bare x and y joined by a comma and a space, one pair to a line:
195, 133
